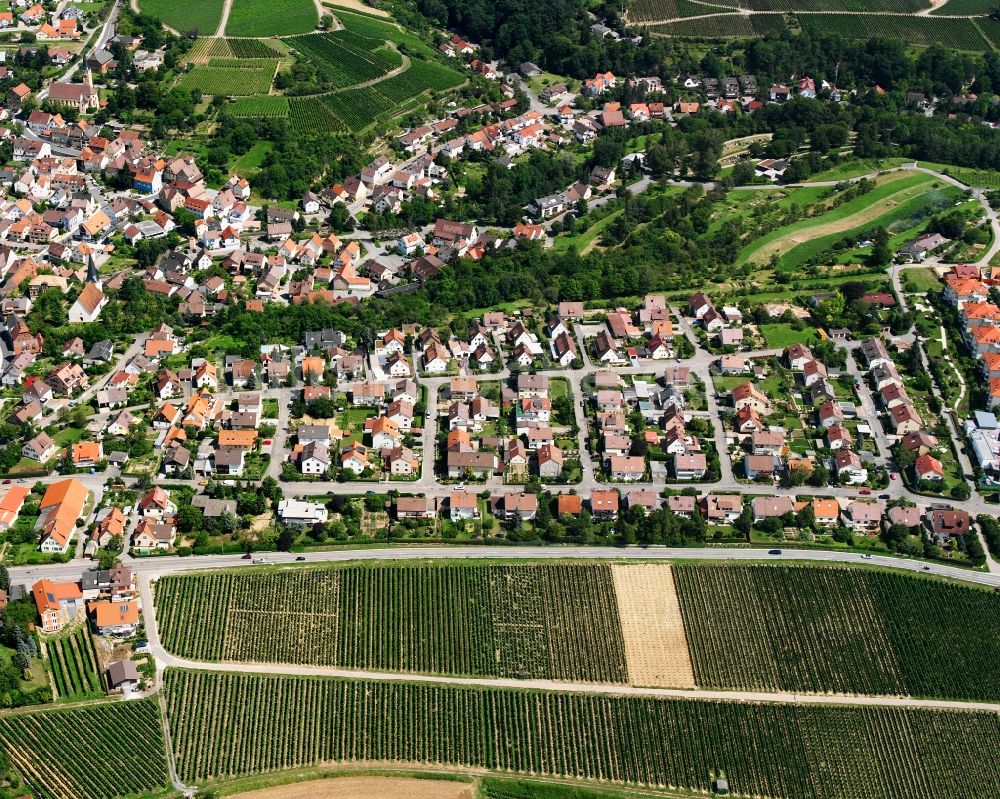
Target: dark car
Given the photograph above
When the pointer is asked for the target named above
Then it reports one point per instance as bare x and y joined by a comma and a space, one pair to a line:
774, 552
248, 556
301, 557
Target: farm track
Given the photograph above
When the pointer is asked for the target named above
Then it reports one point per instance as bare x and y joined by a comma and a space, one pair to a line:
747, 12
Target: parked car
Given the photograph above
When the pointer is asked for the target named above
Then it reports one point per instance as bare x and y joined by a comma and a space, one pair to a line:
865, 491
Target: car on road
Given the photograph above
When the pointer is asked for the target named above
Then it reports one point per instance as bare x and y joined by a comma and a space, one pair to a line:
774, 552
6, 482
301, 557
883, 496
247, 556
866, 557
927, 568
865, 491
259, 560
892, 476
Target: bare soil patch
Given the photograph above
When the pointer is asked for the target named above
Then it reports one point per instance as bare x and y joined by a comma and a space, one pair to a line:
656, 647
365, 788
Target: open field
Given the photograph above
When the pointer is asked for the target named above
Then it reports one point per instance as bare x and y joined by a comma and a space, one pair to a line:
893, 189
365, 788
231, 77
747, 627
921, 280
256, 18
101, 751
848, 630
185, 16
805, 752
557, 621
656, 650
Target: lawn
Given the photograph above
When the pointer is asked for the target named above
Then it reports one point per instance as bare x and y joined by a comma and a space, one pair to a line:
584, 242
920, 280
859, 212
258, 18
784, 335
185, 16
68, 436
252, 158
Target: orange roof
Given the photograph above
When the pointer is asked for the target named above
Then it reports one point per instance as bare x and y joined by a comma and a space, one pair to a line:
826, 508
570, 503
111, 614
63, 491
48, 594
13, 499
312, 364
87, 451
156, 347
237, 438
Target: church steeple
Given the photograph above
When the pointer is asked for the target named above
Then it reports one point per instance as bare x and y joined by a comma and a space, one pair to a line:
93, 276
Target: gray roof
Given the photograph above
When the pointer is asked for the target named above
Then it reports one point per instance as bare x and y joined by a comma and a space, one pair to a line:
122, 670
214, 508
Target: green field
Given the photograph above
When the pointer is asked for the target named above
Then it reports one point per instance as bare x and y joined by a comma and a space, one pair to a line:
231, 77
185, 16
794, 752
784, 335
977, 178
261, 18
748, 627
504, 621
205, 49
921, 280
73, 664
102, 751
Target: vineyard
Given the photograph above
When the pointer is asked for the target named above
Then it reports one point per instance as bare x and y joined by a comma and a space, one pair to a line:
345, 58
73, 664
310, 115
185, 16
555, 621
805, 752
258, 107
384, 31
205, 49
965, 7
844, 630
641, 11
957, 34
725, 25
231, 77
101, 751
257, 18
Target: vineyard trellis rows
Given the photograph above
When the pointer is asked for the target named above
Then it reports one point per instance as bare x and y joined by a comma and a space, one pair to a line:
231, 77
551, 620
74, 665
267, 105
805, 752
346, 58
764, 627
102, 751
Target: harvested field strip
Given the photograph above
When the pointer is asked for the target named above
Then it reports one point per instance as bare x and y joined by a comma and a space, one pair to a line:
656, 649
798, 752
365, 788
893, 188
557, 621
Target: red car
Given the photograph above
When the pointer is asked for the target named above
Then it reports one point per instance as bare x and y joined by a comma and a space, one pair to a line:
865, 491
248, 556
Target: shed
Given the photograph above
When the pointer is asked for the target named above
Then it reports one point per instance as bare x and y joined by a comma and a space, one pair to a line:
123, 674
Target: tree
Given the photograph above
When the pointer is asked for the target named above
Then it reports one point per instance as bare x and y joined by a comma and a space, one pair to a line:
4, 578
286, 538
